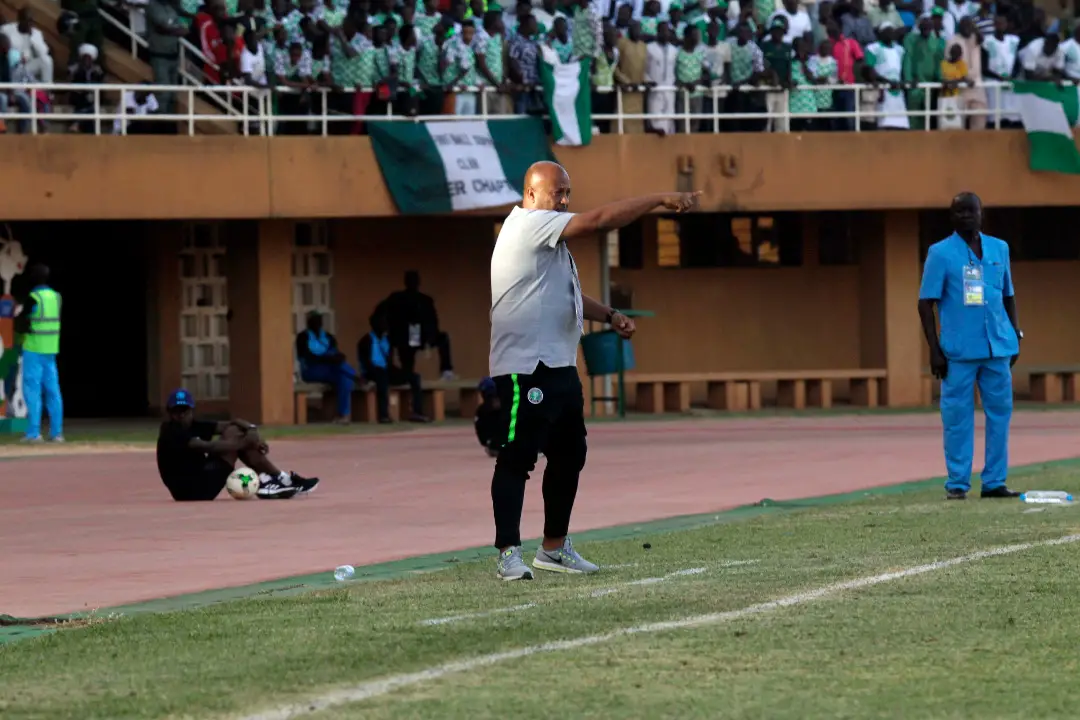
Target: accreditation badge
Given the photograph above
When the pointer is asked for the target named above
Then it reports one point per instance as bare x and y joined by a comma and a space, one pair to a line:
973, 286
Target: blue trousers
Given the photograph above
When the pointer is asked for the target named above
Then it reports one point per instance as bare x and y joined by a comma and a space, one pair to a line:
994, 378
40, 375
342, 377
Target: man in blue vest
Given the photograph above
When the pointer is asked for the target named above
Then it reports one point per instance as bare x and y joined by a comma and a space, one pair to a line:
39, 324
376, 366
968, 276
322, 362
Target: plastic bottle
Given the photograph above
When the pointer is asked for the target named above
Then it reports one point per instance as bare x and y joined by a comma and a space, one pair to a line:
344, 572
1046, 497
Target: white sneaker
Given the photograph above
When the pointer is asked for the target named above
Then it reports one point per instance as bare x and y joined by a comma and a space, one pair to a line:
512, 567
564, 560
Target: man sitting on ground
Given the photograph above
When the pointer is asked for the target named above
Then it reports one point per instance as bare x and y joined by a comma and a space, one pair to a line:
322, 362
194, 466
373, 352
487, 418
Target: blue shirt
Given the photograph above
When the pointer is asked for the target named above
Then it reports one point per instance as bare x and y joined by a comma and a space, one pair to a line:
970, 294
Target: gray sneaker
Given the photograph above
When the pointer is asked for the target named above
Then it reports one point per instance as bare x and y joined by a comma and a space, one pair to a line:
564, 560
512, 567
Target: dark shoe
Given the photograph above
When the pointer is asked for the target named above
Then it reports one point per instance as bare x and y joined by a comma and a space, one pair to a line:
417, 418
274, 489
385, 421
304, 485
956, 495
999, 492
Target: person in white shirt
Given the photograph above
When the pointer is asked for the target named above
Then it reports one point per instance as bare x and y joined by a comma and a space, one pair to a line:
31, 45
537, 315
798, 20
134, 103
1001, 51
252, 61
1071, 50
660, 71
1043, 58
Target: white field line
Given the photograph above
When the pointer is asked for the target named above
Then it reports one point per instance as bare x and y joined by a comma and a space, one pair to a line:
646, 581
518, 608
470, 616
376, 688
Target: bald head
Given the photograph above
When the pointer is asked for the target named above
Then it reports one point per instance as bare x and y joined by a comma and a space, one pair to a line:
547, 187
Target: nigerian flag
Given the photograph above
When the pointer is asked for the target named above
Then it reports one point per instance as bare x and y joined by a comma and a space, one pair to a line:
1050, 113
568, 95
444, 166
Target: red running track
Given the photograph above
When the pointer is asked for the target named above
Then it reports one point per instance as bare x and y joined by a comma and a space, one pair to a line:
90, 531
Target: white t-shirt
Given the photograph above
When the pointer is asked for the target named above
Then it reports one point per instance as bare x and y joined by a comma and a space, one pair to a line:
128, 103
536, 309
1071, 50
254, 64
1034, 60
798, 23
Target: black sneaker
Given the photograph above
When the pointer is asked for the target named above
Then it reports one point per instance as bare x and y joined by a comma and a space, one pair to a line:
274, 489
956, 495
999, 492
305, 485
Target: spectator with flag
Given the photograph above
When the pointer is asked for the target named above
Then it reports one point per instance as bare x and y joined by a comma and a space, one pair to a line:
1050, 112
568, 95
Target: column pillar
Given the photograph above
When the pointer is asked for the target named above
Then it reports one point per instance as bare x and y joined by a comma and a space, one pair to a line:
259, 268
889, 278
163, 316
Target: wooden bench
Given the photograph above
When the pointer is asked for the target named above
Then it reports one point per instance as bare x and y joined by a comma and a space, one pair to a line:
302, 391
1055, 384
670, 392
468, 394
365, 403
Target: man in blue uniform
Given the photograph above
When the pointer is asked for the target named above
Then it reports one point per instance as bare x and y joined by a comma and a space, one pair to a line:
968, 276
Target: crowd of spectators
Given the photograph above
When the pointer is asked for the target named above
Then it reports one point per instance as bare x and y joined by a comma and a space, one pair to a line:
371, 57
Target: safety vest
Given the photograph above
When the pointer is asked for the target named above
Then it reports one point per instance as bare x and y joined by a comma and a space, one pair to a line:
44, 335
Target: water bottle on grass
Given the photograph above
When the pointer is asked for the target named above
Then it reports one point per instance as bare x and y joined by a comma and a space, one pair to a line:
1046, 497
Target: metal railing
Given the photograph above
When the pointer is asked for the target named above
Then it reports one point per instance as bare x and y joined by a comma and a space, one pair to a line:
253, 108
192, 59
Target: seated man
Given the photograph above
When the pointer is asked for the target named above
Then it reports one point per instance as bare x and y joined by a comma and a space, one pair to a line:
194, 466
322, 362
413, 325
373, 351
487, 418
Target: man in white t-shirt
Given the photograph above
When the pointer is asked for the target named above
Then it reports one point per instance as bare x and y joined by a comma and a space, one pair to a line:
537, 317
1070, 50
1043, 58
798, 20
31, 45
139, 103
252, 61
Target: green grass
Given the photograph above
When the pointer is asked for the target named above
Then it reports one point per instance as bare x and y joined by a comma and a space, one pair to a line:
993, 638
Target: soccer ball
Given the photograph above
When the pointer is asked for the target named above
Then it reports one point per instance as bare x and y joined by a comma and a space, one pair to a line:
242, 484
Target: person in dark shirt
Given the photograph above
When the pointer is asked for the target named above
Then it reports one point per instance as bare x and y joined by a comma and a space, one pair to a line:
322, 362
194, 466
413, 324
376, 366
487, 418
